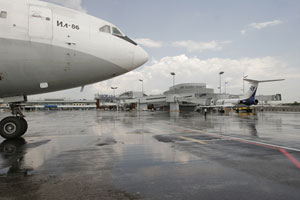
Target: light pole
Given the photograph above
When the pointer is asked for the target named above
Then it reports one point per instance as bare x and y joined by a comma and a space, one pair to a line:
114, 88
220, 74
173, 74
141, 80
225, 86
244, 84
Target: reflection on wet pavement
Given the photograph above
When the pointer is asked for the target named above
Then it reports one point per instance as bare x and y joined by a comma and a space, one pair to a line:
87, 154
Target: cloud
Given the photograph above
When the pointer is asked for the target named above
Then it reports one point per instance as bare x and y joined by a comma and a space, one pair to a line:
157, 78
73, 4
265, 24
194, 46
261, 25
191, 46
149, 43
243, 32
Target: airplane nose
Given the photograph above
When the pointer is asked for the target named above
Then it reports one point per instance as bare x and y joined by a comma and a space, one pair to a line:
140, 57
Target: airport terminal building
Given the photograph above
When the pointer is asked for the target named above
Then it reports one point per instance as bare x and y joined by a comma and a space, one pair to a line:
189, 88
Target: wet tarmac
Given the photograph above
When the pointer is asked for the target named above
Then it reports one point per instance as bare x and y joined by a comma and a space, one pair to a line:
152, 155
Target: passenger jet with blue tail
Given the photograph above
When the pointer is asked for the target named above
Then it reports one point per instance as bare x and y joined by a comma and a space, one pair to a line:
247, 100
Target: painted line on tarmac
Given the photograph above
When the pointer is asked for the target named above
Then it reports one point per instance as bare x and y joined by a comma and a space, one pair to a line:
282, 149
192, 140
291, 158
261, 143
238, 139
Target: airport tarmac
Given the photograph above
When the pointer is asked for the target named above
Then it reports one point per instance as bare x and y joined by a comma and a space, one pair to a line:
152, 155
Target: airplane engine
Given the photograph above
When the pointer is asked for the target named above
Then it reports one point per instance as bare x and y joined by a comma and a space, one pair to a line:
256, 102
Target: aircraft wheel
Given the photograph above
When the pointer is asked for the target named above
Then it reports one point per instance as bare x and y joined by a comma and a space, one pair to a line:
25, 125
12, 147
12, 127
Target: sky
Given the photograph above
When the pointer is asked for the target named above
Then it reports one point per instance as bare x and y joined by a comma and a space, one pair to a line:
197, 39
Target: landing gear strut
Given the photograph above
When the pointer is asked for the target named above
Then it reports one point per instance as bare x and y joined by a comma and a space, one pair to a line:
14, 126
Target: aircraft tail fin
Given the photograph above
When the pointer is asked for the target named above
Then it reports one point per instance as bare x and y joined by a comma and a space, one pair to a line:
262, 81
250, 95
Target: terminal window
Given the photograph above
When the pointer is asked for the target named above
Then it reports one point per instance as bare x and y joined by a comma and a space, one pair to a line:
3, 14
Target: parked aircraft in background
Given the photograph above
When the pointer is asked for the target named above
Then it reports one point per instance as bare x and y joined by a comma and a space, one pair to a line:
248, 100
46, 47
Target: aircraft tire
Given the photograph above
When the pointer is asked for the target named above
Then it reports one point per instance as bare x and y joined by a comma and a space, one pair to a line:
12, 127
24, 126
12, 147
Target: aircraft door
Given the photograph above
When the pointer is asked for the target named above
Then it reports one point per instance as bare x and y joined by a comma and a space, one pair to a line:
40, 22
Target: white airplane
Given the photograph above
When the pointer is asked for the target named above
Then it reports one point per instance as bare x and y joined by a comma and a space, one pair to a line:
45, 47
248, 100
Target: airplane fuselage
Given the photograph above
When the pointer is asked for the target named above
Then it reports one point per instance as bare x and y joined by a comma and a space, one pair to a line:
45, 48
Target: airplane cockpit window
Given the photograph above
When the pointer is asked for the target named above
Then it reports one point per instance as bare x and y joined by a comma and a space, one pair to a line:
116, 31
105, 29
3, 14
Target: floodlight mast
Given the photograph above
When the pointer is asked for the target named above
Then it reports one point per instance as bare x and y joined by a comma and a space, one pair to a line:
173, 74
220, 79
114, 88
142, 81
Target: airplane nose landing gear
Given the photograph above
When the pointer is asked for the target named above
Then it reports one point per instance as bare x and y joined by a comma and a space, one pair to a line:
13, 126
